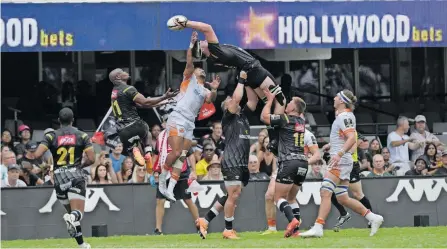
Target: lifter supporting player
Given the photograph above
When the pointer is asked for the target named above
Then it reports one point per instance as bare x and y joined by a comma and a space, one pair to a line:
258, 78
336, 180
131, 128
293, 163
67, 145
180, 125
236, 130
355, 186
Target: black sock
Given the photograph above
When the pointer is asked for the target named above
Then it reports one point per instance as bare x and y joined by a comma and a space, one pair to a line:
286, 209
229, 223
211, 214
77, 214
78, 237
296, 214
366, 203
340, 208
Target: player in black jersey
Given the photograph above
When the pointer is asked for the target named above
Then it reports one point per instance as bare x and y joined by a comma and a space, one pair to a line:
258, 78
67, 145
292, 161
236, 130
131, 128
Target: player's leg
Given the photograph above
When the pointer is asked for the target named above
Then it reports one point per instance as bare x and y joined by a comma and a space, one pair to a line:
217, 208
159, 213
284, 182
291, 199
344, 215
146, 143
234, 188
178, 164
270, 209
328, 187
259, 79
76, 196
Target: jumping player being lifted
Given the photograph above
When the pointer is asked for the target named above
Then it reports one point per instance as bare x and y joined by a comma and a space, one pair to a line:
336, 180
236, 130
258, 78
180, 124
125, 99
67, 144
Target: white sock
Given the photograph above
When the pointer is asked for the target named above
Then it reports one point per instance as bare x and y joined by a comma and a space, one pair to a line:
370, 216
272, 228
171, 186
318, 226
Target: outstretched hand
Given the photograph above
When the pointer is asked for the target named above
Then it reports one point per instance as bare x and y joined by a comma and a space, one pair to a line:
170, 94
215, 83
269, 95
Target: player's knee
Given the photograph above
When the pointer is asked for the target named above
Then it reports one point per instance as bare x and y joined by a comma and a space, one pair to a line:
160, 202
269, 196
222, 200
341, 192
327, 188
358, 195
236, 195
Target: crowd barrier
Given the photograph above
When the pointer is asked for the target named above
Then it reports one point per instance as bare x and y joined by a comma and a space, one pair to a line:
34, 213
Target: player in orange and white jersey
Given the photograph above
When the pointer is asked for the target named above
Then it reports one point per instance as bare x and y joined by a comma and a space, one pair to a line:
180, 124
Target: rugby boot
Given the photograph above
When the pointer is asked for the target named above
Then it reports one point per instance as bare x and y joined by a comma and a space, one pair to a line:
202, 225
229, 234
316, 232
375, 224
341, 221
138, 157
85, 245
71, 227
291, 227
269, 231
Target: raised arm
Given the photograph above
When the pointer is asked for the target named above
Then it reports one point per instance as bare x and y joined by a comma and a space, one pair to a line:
205, 28
238, 93
189, 69
265, 115
140, 100
214, 85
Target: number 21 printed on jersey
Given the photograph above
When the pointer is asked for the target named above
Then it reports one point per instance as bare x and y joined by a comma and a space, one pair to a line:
63, 153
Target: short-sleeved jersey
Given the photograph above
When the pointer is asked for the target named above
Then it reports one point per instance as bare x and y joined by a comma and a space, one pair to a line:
291, 136
229, 56
309, 141
123, 105
344, 124
236, 130
67, 145
191, 98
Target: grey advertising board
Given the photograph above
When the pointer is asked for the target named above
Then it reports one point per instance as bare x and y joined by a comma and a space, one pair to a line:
35, 213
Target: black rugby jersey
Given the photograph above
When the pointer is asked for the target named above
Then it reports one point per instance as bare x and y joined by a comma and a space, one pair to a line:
123, 105
67, 145
236, 130
229, 56
291, 136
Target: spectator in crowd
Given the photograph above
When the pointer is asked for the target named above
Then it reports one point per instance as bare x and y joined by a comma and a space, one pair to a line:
215, 137
422, 136
102, 159
8, 158
50, 181
125, 174
214, 171
420, 168
375, 147
139, 175
7, 139
208, 154
117, 158
253, 168
316, 172
365, 160
28, 176
398, 143
429, 156
25, 138
256, 147
28, 156
13, 181
389, 167
101, 175
266, 158
155, 130
439, 159
379, 167
442, 171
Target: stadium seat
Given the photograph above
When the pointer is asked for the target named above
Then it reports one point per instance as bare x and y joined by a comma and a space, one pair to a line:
385, 119
310, 119
390, 107
410, 107
86, 124
432, 117
39, 125
439, 127
321, 119
365, 118
37, 135
9, 124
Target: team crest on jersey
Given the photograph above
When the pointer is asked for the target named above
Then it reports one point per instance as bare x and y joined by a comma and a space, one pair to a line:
348, 123
114, 94
66, 140
299, 127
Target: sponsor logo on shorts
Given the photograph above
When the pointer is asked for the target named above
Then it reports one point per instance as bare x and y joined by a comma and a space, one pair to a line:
66, 140
302, 171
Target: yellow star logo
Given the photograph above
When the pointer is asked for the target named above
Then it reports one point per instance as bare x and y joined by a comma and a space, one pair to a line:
256, 28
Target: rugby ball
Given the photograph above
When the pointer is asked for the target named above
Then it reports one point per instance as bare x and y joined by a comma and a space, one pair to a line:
182, 20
